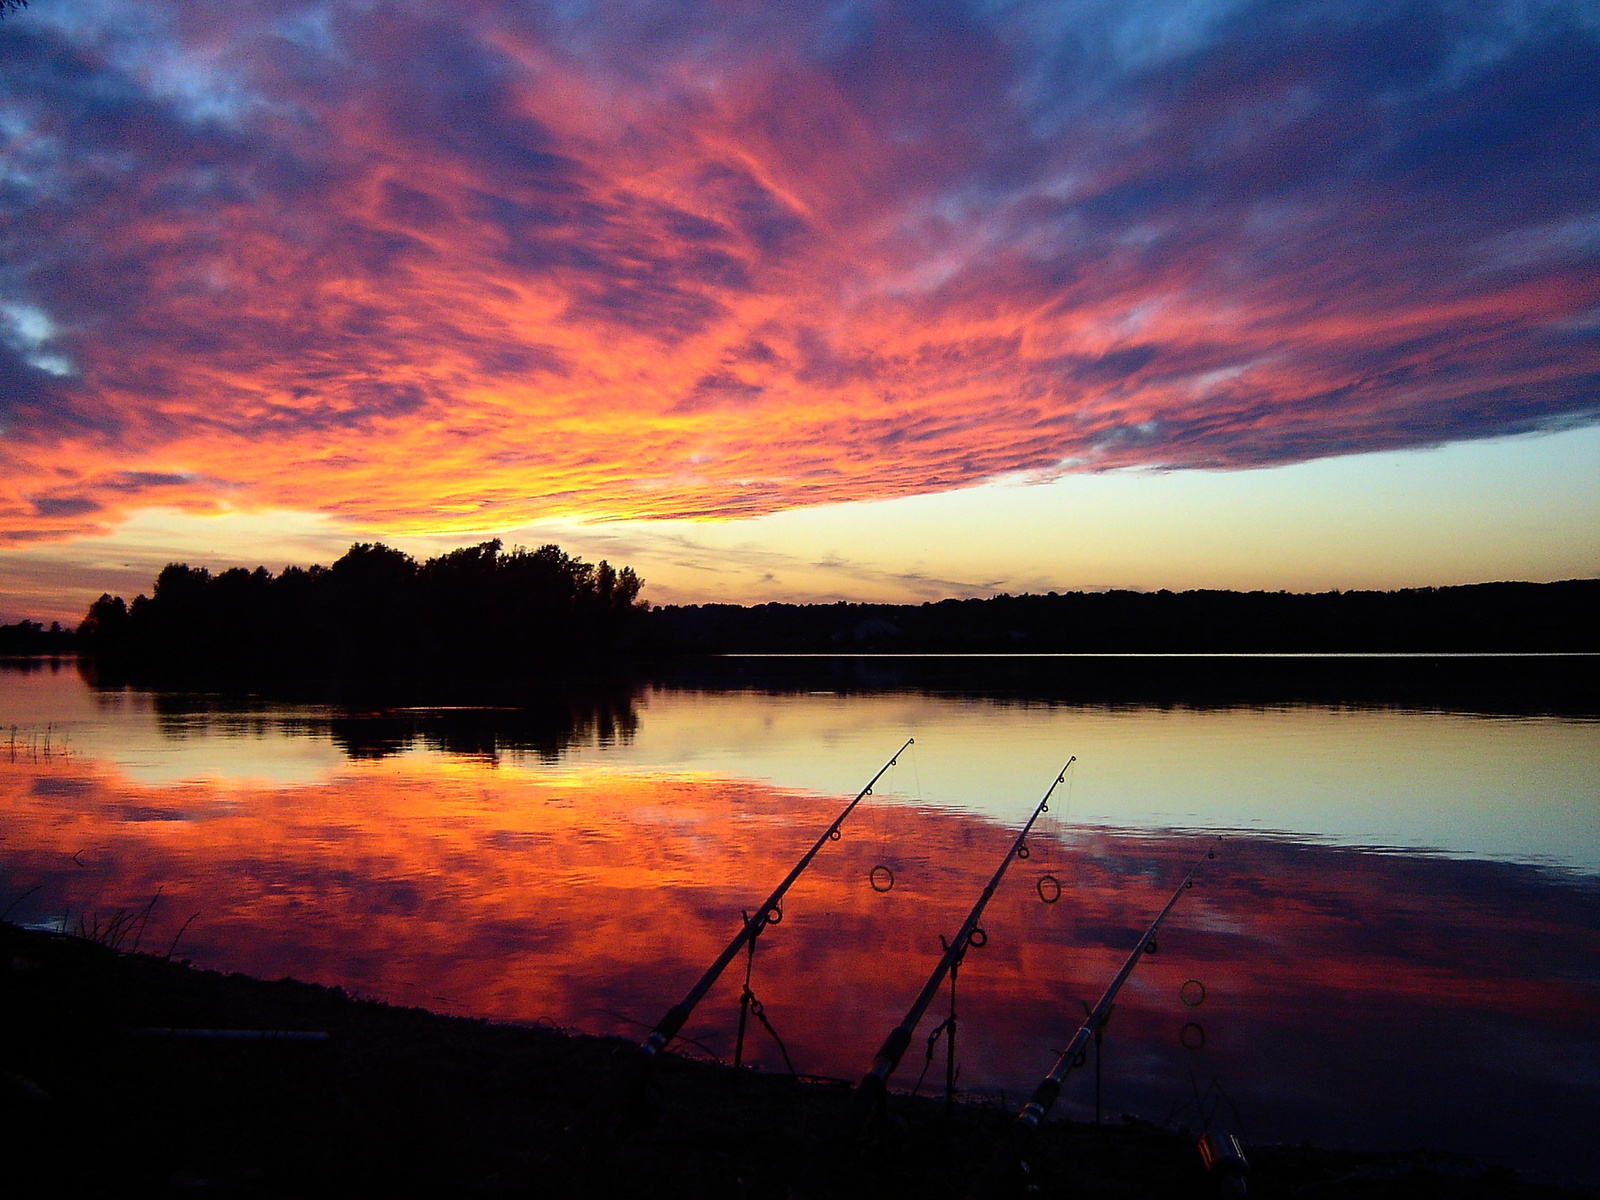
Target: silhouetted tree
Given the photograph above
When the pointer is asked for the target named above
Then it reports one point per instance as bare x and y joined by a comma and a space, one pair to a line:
27, 638
105, 622
377, 611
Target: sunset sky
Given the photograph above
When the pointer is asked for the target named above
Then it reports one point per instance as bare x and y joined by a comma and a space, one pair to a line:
813, 300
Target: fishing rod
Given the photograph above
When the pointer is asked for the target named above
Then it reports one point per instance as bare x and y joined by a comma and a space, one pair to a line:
770, 913
1044, 1096
626, 1085
874, 1085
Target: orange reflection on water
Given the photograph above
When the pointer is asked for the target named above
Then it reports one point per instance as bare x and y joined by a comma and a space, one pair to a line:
1344, 987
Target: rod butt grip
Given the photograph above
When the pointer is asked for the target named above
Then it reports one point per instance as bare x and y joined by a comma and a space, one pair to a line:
668, 1027
894, 1046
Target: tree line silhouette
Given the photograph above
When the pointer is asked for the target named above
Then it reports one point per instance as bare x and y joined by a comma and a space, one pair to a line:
1509, 617
478, 611
32, 638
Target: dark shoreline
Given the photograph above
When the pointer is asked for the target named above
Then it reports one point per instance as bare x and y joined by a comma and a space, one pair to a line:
1553, 684
479, 611
1489, 683
400, 1101
1475, 617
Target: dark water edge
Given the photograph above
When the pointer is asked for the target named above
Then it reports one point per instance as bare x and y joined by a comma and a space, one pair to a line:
1514, 685
399, 1101
1554, 684
486, 714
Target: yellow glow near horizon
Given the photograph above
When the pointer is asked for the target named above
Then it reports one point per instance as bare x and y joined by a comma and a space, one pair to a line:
1518, 508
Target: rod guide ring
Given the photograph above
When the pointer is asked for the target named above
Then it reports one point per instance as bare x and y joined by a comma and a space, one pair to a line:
881, 878
1049, 888
1192, 992
1192, 1035
977, 939
834, 835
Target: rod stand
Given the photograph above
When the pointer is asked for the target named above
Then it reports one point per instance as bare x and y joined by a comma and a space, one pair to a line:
744, 1001
1099, 1051
950, 1037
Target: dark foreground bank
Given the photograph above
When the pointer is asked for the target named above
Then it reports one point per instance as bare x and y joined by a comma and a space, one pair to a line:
100, 1099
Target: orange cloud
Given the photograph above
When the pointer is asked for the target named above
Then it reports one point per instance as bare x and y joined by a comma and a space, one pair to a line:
438, 276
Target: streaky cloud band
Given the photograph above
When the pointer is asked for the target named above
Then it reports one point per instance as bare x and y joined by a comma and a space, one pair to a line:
505, 265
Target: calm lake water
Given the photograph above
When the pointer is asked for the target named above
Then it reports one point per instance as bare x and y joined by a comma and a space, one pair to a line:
1399, 941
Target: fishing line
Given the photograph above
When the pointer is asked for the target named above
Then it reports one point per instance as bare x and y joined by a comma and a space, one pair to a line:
1233, 1108
1048, 885
770, 912
750, 1006
1192, 1036
871, 1093
880, 877
631, 1077
1044, 1096
916, 775
927, 1061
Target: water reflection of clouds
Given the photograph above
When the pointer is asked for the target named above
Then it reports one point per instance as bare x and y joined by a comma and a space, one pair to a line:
1516, 788
1521, 789
524, 893
286, 762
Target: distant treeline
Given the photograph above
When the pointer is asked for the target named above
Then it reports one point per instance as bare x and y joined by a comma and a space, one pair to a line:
482, 612
1524, 617
376, 612
32, 638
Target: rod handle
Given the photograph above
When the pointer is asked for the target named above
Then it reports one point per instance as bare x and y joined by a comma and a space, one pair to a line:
894, 1046
668, 1027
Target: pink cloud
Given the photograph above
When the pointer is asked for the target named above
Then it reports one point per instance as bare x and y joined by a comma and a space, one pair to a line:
477, 272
